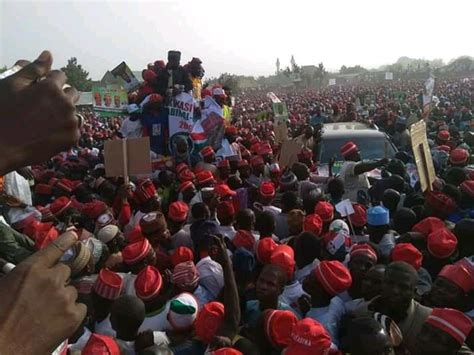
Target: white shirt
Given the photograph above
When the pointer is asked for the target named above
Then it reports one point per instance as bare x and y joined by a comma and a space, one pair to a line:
157, 321
227, 231
105, 327
128, 283
127, 347
81, 342
305, 271
352, 182
329, 316
134, 221
131, 129
291, 293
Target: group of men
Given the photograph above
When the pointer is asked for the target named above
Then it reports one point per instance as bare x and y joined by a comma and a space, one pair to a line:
220, 254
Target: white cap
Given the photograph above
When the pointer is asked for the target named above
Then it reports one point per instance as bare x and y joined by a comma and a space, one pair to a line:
107, 233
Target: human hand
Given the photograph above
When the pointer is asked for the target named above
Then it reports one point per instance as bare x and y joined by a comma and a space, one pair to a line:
144, 340
37, 116
125, 192
218, 251
39, 283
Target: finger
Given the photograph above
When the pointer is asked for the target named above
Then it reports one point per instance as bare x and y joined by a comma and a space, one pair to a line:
70, 293
58, 77
62, 273
38, 69
72, 94
50, 255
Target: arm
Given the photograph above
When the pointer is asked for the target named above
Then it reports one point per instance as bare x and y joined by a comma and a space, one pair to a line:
361, 168
229, 327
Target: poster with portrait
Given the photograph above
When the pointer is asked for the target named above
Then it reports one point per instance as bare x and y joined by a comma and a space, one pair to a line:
122, 71
109, 98
180, 118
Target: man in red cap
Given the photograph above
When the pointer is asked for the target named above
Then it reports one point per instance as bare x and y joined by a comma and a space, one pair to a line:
328, 279
208, 160
267, 194
354, 172
444, 332
258, 171
177, 217
309, 337
225, 212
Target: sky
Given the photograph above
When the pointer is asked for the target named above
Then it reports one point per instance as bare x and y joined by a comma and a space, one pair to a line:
236, 36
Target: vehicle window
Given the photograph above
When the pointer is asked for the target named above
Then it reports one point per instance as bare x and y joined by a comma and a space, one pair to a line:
370, 148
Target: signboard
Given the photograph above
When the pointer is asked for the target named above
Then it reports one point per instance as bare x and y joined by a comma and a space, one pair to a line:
109, 99
422, 155
388, 76
212, 123
332, 82
280, 111
127, 157
273, 97
122, 71
180, 116
289, 153
428, 92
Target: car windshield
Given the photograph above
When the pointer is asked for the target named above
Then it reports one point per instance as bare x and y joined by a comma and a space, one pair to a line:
370, 148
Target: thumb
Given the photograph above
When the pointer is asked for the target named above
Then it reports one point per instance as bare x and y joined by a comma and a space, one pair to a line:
37, 69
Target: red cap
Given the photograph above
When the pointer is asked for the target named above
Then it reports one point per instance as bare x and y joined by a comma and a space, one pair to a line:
467, 187
284, 256
244, 239
101, 344
333, 276
265, 248
458, 156
66, 185
204, 177
43, 189
59, 205
223, 164
444, 135
408, 253
135, 252
149, 75
278, 325
148, 283
178, 211
314, 224
428, 225
209, 320
309, 337
225, 209
205, 92
325, 210
108, 284
256, 160
186, 175
181, 255
441, 202
153, 222
226, 351
94, 209
363, 249
458, 275
231, 130
207, 151
444, 148
145, 190
441, 243
181, 167
348, 149
134, 234
223, 190
451, 321
264, 148
267, 189
359, 217
185, 185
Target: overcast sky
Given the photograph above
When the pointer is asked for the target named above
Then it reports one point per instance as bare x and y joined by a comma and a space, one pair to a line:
241, 37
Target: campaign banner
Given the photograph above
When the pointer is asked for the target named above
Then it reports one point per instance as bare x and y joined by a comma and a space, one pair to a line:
280, 111
181, 110
110, 98
122, 71
212, 123
332, 82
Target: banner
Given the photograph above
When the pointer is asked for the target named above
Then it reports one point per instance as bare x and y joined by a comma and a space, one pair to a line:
212, 123
111, 98
280, 111
428, 92
122, 71
332, 82
388, 76
181, 110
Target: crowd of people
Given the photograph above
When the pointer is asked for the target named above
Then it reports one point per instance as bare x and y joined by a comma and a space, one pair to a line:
216, 254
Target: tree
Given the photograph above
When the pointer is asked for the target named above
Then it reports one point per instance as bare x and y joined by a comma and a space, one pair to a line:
77, 76
320, 73
231, 81
3, 69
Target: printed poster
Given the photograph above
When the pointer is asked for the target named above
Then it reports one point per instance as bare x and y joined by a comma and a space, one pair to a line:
122, 71
180, 118
110, 98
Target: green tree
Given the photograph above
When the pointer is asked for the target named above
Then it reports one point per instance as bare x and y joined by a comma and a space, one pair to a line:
3, 69
231, 81
77, 76
320, 73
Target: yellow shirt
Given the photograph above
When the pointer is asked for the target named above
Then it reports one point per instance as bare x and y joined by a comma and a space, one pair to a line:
197, 87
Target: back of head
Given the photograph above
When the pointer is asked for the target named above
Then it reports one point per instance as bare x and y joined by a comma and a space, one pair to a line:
289, 201
455, 176
404, 219
335, 188
200, 211
359, 331
464, 231
245, 219
127, 314
402, 267
390, 199
265, 224
301, 171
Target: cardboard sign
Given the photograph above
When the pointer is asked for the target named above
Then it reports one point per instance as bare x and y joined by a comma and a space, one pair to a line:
289, 153
345, 208
110, 98
428, 92
273, 97
122, 71
127, 157
422, 155
181, 110
332, 82
212, 122
281, 132
280, 112
388, 76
